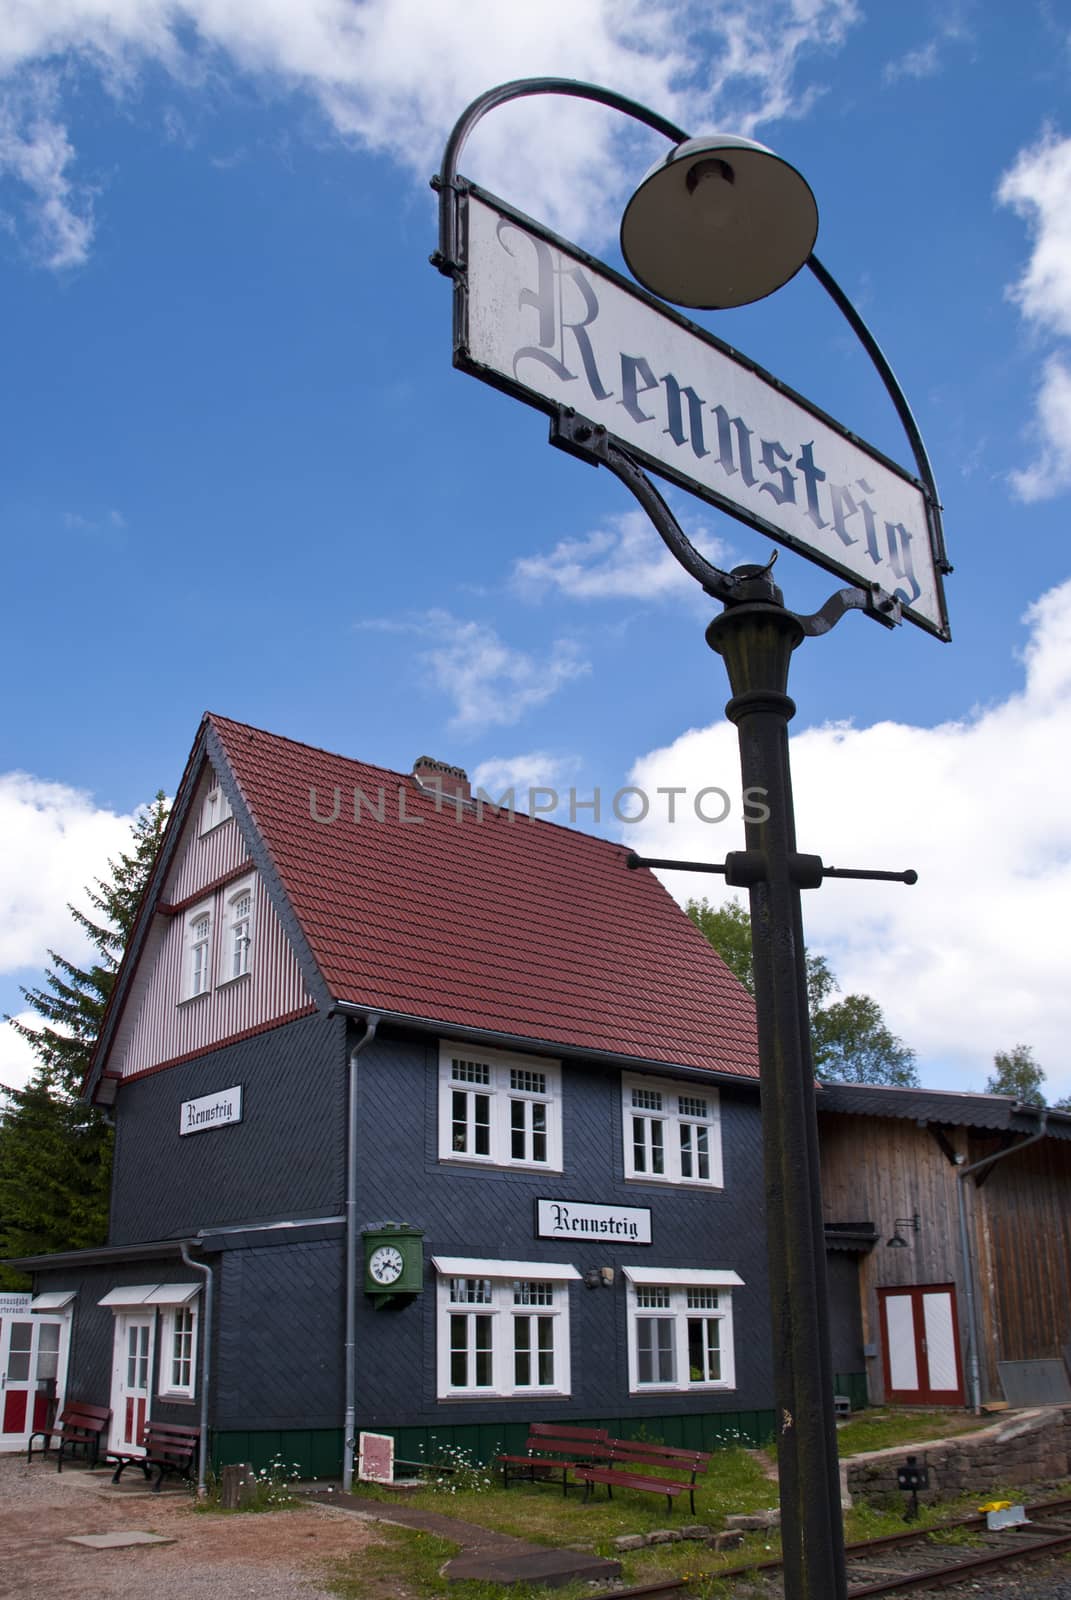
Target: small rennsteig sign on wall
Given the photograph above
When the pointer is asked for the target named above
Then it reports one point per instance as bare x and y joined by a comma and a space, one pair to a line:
211, 1110
551, 326
580, 1219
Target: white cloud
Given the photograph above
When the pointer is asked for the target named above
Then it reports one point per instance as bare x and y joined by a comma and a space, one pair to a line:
973, 958
392, 75
35, 152
17, 1061
1038, 188
921, 63
56, 840
535, 769
624, 559
491, 684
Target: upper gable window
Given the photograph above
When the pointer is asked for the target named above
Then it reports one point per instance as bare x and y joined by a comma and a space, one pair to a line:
197, 974
215, 809
238, 947
499, 1110
672, 1131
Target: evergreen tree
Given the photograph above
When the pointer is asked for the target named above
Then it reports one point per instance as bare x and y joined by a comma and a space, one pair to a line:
55, 1151
850, 1040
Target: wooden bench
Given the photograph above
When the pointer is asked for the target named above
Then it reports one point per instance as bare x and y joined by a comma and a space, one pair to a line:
78, 1427
169, 1447
628, 1454
555, 1447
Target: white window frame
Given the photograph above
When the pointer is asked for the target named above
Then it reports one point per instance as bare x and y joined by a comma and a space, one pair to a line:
215, 808
231, 924
661, 1115
193, 972
502, 1296
682, 1296
489, 1101
172, 1329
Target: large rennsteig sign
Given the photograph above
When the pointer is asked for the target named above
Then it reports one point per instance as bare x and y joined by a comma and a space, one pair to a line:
548, 324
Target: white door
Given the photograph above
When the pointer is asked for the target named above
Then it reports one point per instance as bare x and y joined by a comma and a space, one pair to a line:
131, 1379
32, 1368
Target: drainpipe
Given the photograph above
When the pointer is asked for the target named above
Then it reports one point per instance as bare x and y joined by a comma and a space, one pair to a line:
974, 1366
350, 1424
206, 1365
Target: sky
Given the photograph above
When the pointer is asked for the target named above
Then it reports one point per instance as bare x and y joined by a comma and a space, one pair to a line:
241, 474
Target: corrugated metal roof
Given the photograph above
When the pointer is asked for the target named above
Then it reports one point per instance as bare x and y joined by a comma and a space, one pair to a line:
481, 919
999, 1112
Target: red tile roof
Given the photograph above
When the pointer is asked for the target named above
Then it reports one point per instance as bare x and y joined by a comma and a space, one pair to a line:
498, 922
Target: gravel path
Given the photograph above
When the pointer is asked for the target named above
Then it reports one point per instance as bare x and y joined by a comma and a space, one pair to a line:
276, 1556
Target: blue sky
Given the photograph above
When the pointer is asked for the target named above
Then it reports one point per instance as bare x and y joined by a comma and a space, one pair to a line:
241, 474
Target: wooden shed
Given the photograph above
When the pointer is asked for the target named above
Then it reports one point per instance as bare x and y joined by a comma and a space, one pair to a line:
948, 1226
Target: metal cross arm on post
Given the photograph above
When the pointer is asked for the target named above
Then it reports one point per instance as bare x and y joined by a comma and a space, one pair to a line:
742, 868
632, 384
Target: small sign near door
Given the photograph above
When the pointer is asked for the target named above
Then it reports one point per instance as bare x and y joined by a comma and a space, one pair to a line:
15, 1305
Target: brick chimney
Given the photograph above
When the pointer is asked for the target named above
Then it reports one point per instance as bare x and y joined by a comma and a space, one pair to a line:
432, 774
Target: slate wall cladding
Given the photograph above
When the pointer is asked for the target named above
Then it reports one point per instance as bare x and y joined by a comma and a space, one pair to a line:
280, 1316
481, 1212
284, 1159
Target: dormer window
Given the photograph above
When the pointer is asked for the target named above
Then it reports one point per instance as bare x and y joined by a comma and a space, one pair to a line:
215, 809
198, 974
239, 933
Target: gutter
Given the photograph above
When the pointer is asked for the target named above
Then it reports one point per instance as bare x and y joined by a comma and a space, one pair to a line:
962, 1173
206, 1365
349, 1430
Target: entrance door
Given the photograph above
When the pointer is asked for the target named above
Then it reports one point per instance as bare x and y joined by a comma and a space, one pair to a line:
131, 1380
920, 1347
30, 1376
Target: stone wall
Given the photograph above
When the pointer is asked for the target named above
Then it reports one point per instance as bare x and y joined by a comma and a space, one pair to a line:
1030, 1447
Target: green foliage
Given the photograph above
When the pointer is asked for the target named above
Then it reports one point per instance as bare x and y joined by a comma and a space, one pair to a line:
850, 1039
55, 1151
271, 1490
1015, 1072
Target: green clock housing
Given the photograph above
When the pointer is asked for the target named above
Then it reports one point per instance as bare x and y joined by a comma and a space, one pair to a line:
393, 1260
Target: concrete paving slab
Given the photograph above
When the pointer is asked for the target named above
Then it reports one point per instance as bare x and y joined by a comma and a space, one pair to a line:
117, 1540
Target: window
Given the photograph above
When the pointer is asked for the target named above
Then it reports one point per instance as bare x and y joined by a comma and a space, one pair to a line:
197, 978
239, 935
499, 1109
503, 1328
680, 1332
672, 1132
178, 1351
215, 809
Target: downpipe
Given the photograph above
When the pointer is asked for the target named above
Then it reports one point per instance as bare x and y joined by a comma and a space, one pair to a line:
350, 1358
206, 1364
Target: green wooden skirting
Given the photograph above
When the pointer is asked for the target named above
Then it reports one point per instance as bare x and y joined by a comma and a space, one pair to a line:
317, 1452
853, 1384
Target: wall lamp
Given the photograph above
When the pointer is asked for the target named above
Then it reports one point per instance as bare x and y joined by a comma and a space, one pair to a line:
910, 1224
599, 1278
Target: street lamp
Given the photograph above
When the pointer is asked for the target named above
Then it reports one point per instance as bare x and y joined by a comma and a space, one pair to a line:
722, 221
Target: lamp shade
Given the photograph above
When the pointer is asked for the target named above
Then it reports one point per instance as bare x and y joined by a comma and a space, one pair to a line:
720, 222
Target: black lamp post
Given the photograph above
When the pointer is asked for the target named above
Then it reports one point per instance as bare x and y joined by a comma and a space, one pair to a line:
723, 221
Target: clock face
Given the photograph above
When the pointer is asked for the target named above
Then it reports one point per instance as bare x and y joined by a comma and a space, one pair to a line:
385, 1264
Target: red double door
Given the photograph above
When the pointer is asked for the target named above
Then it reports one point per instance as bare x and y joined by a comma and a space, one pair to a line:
920, 1345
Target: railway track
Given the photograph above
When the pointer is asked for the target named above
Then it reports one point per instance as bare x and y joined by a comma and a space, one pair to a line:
920, 1559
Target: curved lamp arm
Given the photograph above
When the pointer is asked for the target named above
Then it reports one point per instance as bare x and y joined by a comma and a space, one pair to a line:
446, 258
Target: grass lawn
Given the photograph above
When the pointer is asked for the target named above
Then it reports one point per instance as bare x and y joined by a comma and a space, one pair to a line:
880, 1428
406, 1565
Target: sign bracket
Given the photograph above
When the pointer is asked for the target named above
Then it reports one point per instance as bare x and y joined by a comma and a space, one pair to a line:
591, 442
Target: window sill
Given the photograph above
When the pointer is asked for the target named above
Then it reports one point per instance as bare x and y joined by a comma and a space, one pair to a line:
239, 977
678, 1388
489, 1164
192, 999
495, 1394
706, 1184
168, 1399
